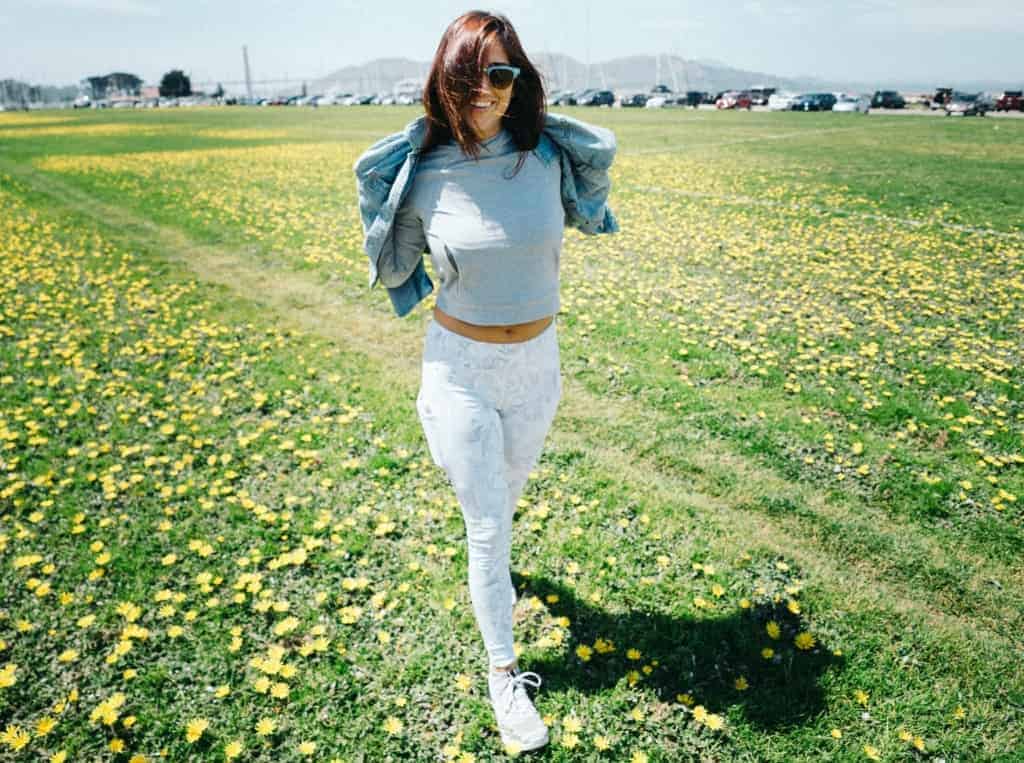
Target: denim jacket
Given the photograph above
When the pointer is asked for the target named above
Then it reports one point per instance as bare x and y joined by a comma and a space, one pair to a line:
385, 171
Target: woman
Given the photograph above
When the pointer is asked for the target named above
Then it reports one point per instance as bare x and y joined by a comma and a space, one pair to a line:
481, 191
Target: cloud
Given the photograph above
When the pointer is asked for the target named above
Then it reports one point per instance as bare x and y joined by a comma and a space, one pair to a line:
119, 7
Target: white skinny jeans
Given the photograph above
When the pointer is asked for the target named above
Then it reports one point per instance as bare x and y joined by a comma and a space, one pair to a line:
486, 409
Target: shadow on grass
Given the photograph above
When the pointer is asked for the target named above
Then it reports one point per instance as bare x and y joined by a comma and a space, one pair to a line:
703, 658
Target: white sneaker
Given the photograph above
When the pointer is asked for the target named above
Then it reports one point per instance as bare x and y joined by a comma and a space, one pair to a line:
519, 722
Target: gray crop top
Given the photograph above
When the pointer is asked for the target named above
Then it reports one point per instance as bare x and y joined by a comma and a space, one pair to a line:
495, 239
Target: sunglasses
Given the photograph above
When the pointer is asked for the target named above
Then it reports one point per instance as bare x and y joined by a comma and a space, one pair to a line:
501, 76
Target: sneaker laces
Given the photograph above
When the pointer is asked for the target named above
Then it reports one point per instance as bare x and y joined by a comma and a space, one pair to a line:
518, 683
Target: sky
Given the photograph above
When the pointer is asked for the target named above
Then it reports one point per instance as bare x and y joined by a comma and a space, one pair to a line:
889, 41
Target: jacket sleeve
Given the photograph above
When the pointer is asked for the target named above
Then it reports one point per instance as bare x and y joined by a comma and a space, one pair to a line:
403, 247
586, 155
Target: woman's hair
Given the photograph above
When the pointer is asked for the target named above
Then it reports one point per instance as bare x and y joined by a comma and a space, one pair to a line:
456, 71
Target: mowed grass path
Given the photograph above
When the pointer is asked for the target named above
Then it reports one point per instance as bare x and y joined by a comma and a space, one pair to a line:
778, 518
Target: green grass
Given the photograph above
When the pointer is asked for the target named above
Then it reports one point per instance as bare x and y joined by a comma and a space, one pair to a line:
779, 377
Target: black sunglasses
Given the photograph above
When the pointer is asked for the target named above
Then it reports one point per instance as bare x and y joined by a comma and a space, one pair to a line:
501, 76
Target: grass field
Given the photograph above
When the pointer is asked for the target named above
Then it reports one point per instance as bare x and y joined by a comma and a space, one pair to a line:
779, 516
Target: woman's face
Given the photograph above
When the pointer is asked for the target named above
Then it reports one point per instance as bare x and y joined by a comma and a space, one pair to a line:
486, 121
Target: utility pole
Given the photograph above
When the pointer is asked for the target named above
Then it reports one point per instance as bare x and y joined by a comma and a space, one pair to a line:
248, 74
588, 43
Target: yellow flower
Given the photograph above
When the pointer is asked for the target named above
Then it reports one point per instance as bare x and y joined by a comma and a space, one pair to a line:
741, 684
638, 757
233, 749
265, 726
392, 725
767, 652
58, 757
307, 748
804, 640
861, 697
773, 630
584, 652
195, 729
872, 752
714, 721
572, 725
15, 737
633, 654
569, 741
836, 734
45, 725
601, 743
700, 714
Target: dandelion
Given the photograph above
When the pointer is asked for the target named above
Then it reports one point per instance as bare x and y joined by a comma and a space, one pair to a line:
638, 757
601, 743
700, 714
804, 640
772, 629
570, 741
307, 748
195, 729
714, 722
265, 726
836, 734
392, 725
233, 749
767, 652
861, 697
872, 752
741, 684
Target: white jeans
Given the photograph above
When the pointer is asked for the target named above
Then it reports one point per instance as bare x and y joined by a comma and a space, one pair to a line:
486, 409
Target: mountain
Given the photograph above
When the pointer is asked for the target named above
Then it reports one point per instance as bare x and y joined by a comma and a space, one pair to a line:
560, 72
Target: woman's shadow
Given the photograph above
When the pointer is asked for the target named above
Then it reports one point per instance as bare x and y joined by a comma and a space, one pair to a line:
703, 658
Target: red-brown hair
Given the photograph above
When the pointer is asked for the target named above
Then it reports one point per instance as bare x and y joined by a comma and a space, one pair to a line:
455, 73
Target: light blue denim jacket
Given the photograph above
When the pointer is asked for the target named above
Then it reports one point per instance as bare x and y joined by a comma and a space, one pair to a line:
385, 171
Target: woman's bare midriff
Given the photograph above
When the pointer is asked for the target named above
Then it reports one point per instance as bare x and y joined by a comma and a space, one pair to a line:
516, 332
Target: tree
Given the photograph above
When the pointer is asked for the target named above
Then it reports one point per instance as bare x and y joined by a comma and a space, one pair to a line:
175, 84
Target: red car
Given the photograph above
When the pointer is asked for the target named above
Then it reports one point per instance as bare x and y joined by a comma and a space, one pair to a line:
1010, 100
734, 100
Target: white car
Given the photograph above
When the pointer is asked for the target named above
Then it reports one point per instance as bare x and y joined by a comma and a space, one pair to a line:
854, 103
655, 102
781, 101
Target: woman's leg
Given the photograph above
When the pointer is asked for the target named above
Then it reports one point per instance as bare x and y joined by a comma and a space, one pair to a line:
529, 407
466, 439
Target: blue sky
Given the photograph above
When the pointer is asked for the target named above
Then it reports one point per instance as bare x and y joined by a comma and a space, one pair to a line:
61, 41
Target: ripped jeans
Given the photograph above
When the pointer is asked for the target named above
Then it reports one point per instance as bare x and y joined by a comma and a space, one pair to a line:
486, 409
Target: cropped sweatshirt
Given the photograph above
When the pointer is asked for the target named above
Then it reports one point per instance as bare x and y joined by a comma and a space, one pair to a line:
494, 237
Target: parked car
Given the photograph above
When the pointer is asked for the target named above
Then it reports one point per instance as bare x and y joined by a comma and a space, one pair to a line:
733, 99
967, 105
781, 101
656, 102
635, 100
695, 98
598, 98
1010, 100
565, 98
760, 95
855, 103
938, 101
814, 102
887, 99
